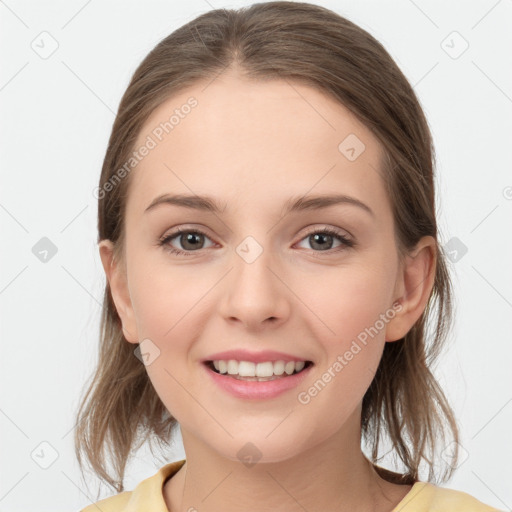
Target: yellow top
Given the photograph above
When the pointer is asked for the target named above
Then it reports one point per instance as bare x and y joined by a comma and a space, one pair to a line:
423, 497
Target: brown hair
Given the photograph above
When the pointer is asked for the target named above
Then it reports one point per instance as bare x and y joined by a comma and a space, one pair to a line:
317, 47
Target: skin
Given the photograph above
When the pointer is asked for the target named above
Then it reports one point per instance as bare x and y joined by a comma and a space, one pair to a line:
274, 140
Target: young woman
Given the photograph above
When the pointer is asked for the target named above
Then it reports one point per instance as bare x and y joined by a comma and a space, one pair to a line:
268, 232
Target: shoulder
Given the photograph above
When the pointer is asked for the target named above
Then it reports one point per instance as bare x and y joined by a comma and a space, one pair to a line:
428, 497
147, 495
112, 504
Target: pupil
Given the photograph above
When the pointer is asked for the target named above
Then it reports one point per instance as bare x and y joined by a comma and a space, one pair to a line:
321, 236
189, 237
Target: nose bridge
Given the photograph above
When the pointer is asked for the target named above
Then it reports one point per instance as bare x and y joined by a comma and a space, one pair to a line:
254, 292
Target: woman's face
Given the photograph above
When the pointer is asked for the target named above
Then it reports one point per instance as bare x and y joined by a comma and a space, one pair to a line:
259, 279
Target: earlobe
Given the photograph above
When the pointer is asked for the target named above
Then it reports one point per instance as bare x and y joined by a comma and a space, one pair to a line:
415, 285
119, 289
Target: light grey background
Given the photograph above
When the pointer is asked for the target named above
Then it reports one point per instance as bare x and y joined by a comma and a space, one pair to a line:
56, 117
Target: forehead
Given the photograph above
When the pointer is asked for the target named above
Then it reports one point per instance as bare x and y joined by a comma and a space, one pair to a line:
255, 141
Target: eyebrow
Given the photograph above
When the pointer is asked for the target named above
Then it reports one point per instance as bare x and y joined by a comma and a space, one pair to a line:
294, 204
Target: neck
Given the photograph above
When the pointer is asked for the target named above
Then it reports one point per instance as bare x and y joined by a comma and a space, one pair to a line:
334, 475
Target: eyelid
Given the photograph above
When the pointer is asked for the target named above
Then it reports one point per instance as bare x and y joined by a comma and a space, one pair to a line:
175, 233
180, 228
204, 231
346, 242
339, 231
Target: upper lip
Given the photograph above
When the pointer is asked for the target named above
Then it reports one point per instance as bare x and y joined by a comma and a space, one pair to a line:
254, 357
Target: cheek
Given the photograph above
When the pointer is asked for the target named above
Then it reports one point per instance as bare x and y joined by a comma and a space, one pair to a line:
347, 301
335, 307
167, 302
351, 332
165, 296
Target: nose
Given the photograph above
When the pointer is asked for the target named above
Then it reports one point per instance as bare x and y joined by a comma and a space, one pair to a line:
254, 293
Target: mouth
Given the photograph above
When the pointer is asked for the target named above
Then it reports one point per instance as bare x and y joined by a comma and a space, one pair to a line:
278, 373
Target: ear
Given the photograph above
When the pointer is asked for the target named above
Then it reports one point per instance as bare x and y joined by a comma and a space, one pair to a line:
414, 284
117, 279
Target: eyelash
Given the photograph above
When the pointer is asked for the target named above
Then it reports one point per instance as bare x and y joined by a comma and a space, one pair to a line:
347, 243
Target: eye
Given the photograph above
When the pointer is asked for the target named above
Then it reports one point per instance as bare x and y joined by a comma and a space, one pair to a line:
190, 239
323, 239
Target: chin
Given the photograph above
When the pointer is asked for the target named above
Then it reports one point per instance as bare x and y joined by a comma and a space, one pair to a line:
259, 450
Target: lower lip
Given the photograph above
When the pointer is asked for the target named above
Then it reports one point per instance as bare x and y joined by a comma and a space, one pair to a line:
257, 390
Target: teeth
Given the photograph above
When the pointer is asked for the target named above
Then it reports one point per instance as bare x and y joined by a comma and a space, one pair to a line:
249, 369
299, 365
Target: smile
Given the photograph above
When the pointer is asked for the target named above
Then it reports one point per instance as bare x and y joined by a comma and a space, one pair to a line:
254, 371
262, 383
